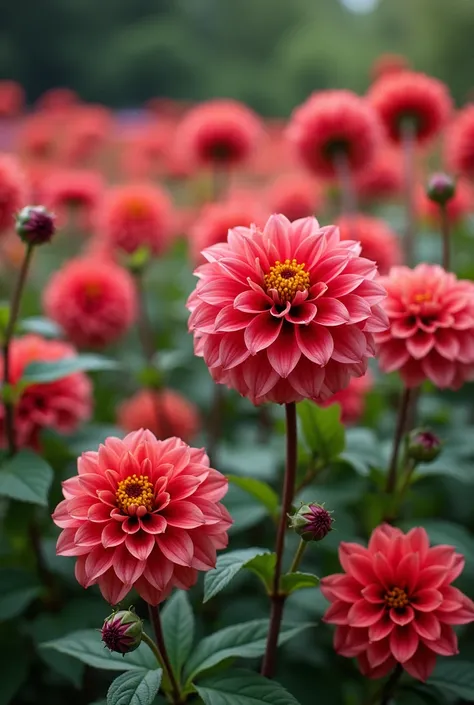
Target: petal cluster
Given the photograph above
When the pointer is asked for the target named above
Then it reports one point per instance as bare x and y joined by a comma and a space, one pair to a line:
395, 603
431, 333
379, 242
143, 514
77, 189
12, 191
286, 313
60, 405
460, 143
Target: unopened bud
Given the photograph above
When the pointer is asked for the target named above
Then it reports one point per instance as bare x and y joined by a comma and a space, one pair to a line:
35, 225
441, 188
312, 522
122, 631
423, 446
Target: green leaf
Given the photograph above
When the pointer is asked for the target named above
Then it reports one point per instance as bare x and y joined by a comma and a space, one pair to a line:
18, 589
135, 688
297, 581
264, 567
51, 371
322, 429
455, 676
178, 629
247, 640
227, 566
86, 645
242, 687
259, 490
40, 326
15, 665
26, 477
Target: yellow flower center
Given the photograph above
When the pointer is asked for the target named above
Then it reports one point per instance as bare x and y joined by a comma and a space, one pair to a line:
92, 290
287, 278
135, 490
396, 598
424, 297
136, 207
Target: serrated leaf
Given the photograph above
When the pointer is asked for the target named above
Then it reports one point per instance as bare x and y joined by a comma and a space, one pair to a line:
135, 688
26, 477
264, 567
455, 676
42, 372
258, 489
322, 429
297, 581
227, 566
243, 687
18, 589
87, 646
247, 640
178, 629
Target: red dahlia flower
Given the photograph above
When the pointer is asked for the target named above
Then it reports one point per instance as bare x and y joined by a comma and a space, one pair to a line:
395, 603
352, 399
294, 195
12, 191
77, 189
431, 333
286, 313
382, 178
165, 413
142, 514
460, 143
379, 242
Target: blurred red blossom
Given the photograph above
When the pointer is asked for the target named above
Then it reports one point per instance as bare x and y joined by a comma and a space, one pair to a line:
458, 207
460, 143
13, 191
77, 190
12, 98
295, 195
164, 412
379, 242
352, 399
382, 178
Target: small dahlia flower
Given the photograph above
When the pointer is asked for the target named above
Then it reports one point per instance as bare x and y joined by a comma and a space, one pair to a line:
94, 301
395, 603
379, 242
382, 178
74, 189
460, 143
431, 333
143, 514
61, 405
12, 191
333, 123
136, 215
286, 313
352, 399
458, 207
294, 195
411, 97
165, 413
221, 133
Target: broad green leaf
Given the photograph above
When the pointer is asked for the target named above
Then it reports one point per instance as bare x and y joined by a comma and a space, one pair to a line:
178, 629
455, 676
259, 490
40, 326
135, 688
247, 640
363, 450
322, 429
87, 646
37, 372
297, 581
245, 511
264, 567
227, 566
242, 687
14, 658
26, 477
18, 589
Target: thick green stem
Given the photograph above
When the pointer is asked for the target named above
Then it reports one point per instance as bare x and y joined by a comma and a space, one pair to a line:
298, 556
152, 646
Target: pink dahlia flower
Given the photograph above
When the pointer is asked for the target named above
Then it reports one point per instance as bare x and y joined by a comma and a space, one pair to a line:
12, 191
60, 405
352, 399
431, 333
294, 195
379, 242
395, 603
286, 313
142, 513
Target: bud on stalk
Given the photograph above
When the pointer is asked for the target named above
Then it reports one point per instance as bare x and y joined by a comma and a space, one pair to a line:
423, 446
35, 225
122, 631
312, 522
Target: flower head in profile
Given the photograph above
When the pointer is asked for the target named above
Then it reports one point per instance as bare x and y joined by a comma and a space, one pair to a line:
93, 300
411, 98
61, 405
331, 124
460, 143
286, 313
294, 195
379, 242
143, 514
134, 216
431, 333
394, 603
219, 132
12, 191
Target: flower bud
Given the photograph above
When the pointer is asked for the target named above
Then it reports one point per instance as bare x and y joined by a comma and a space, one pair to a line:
423, 446
35, 225
122, 631
312, 522
441, 188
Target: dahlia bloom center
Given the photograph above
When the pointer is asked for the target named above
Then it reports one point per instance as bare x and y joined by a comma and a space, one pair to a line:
135, 495
396, 598
287, 278
136, 208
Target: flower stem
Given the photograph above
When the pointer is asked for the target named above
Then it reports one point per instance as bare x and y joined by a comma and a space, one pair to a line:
389, 687
399, 431
151, 644
14, 310
446, 236
278, 600
298, 556
408, 147
155, 619
344, 177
